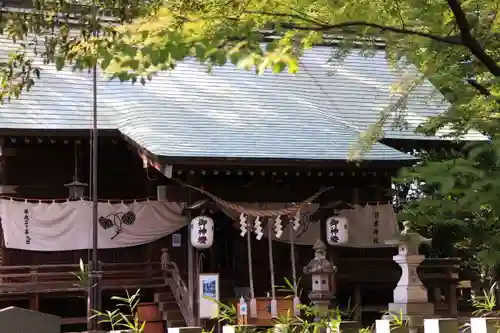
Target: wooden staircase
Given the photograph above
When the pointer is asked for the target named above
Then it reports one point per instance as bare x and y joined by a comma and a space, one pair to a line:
173, 302
171, 312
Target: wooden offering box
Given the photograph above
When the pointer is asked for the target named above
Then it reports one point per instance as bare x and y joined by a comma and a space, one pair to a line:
285, 307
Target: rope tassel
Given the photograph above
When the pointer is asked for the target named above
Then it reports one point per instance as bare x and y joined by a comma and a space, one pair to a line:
274, 303
253, 308
296, 300
253, 301
274, 308
296, 306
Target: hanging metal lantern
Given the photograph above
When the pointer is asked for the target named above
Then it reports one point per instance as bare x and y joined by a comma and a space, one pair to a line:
337, 230
202, 232
76, 189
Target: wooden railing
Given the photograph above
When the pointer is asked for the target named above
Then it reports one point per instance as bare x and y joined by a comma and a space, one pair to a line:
440, 276
61, 278
385, 270
180, 291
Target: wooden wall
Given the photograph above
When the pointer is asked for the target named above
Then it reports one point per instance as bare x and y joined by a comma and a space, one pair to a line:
41, 166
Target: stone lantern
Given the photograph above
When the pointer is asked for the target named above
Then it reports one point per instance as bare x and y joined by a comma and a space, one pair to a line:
322, 272
410, 295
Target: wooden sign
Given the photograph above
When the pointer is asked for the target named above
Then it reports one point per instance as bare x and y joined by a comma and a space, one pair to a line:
176, 240
208, 289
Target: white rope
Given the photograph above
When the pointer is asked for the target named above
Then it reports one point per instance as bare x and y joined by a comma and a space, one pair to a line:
296, 300
274, 304
292, 258
253, 301
258, 212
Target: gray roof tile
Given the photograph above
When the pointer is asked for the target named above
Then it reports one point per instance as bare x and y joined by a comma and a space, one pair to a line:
315, 114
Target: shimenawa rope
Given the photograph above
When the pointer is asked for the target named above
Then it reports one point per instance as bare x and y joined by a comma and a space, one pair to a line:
258, 212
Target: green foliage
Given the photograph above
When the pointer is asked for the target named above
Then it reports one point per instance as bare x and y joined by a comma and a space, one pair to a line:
227, 312
397, 319
484, 306
82, 275
118, 319
289, 288
458, 193
304, 323
311, 319
453, 44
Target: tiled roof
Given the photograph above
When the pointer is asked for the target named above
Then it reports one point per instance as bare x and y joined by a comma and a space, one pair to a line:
316, 114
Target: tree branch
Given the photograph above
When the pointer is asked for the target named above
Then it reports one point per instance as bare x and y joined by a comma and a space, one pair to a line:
319, 26
469, 41
452, 40
479, 87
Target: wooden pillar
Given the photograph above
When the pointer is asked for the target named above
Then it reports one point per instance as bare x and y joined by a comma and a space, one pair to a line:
437, 296
35, 302
192, 267
5, 189
322, 230
357, 303
452, 299
2, 250
3, 174
149, 258
355, 196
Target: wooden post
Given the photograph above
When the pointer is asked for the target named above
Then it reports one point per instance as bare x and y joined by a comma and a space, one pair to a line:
149, 251
100, 270
355, 196
192, 267
357, 303
322, 230
437, 296
452, 299
2, 254
3, 180
149, 259
35, 302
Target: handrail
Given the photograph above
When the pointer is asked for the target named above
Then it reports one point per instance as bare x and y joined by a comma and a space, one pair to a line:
37, 267
180, 291
77, 266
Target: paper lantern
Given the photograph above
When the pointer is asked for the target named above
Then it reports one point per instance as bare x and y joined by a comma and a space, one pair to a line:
202, 232
337, 230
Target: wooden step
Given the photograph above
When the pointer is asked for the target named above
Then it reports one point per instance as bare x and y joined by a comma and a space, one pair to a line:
168, 305
171, 312
164, 296
176, 323
174, 315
